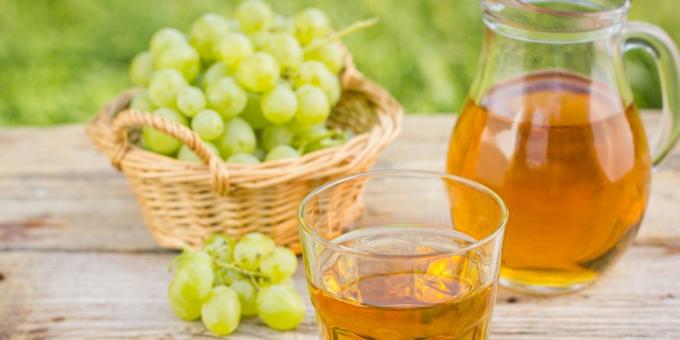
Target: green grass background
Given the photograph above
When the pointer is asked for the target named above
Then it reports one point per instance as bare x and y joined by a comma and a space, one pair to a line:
60, 60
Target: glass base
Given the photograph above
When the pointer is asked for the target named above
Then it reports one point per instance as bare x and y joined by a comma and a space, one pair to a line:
545, 283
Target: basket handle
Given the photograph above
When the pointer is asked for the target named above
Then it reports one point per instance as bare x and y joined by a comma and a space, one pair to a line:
129, 118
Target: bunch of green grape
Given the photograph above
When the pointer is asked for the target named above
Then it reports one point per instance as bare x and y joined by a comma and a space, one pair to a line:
227, 280
256, 88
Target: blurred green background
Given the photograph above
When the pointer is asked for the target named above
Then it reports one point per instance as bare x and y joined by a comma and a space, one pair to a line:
60, 60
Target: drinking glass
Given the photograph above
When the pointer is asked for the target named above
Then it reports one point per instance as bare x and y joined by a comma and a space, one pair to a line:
401, 254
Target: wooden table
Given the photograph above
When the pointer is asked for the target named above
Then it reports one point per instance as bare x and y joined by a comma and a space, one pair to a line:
76, 261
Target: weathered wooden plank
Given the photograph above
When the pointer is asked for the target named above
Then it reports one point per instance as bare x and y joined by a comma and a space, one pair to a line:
78, 295
58, 192
64, 295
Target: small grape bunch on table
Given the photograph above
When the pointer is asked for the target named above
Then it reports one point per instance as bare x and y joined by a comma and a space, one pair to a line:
227, 280
259, 87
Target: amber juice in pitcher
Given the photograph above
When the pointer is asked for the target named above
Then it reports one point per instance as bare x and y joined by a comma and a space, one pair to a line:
571, 162
550, 125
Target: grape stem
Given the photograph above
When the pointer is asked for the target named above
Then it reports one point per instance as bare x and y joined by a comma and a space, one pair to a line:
173, 263
255, 283
357, 26
237, 268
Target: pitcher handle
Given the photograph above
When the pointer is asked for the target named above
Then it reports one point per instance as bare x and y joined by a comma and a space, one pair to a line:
656, 42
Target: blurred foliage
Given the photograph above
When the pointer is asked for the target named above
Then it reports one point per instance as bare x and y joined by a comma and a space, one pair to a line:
60, 60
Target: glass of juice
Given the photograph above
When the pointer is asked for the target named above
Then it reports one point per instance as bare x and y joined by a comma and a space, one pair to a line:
402, 254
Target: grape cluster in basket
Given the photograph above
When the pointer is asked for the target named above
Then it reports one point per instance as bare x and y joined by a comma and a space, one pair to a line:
227, 280
257, 88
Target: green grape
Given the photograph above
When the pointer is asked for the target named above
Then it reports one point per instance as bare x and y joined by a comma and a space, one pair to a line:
141, 68
322, 144
165, 38
243, 158
278, 265
171, 115
279, 105
285, 283
280, 307
233, 48
253, 112
311, 135
190, 100
249, 251
260, 153
274, 135
212, 148
220, 247
206, 33
227, 98
221, 311
330, 54
217, 241
311, 24
184, 309
283, 25
192, 259
316, 73
164, 86
159, 142
313, 105
259, 39
247, 293
257, 236
254, 15
208, 124
310, 73
190, 284
285, 49
331, 87
215, 72
280, 152
185, 154
194, 275
142, 101
288, 283
258, 72
238, 137
182, 58
225, 276
298, 128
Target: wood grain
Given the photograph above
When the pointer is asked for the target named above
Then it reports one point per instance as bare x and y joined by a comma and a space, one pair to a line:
114, 295
77, 262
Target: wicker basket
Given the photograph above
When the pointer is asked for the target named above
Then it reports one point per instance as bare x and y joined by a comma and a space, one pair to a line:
183, 203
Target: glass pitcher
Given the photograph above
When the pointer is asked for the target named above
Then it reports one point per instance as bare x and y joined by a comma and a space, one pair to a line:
550, 125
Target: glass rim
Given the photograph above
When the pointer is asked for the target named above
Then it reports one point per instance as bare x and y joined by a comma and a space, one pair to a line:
500, 228
511, 15
613, 11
